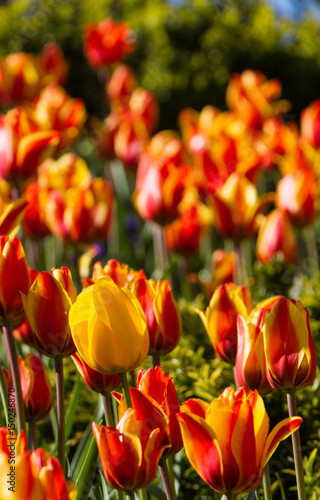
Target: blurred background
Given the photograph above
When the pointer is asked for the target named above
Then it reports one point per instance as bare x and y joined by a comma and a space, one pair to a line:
187, 48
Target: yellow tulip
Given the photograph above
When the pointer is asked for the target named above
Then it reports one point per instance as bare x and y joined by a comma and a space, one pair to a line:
109, 327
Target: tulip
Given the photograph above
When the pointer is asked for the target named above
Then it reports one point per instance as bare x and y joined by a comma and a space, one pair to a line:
237, 206
310, 130
158, 386
297, 195
37, 475
81, 214
130, 452
105, 343
162, 314
14, 278
220, 318
107, 43
250, 360
96, 381
24, 146
288, 345
276, 236
186, 233
34, 221
56, 110
120, 85
69, 170
21, 76
47, 306
12, 215
53, 64
36, 388
217, 437
251, 95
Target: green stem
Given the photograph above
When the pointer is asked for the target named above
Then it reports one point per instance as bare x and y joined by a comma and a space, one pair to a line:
266, 483
108, 414
32, 436
144, 494
156, 360
311, 246
296, 445
58, 365
130, 495
166, 478
160, 249
125, 389
4, 395
14, 366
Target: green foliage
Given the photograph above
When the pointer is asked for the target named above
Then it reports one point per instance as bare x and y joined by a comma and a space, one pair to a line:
186, 52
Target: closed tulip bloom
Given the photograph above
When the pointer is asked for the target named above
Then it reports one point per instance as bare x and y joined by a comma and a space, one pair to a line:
130, 452
109, 327
237, 207
120, 85
67, 171
276, 236
297, 194
21, 76
14, 278
107, 42
40, 475
218, 436
53, 64
35, 220
162, 314
310, 120
96, 381
220, 318
289, 349
36, 388
158, 386
47, 306
250, 368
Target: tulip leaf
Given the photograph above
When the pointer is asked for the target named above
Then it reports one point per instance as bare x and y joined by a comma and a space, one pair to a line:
283, 496
86, 473
105, 493
72, 406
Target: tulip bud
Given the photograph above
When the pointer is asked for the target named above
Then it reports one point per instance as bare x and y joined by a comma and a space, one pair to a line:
36, 388
220, 318
47, 307
14, 278
288, 345
276, 236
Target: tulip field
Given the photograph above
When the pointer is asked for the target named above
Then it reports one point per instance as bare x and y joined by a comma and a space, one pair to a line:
159, 288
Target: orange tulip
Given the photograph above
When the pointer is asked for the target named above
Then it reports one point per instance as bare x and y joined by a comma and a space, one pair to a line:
289, 349
34, 476
21, 76
162, 314
217, 437
56, 110
107, 43
47, 307
237, 206
120, 85
35, 219
14, 278
36, 388
96, 381
130, 452
54, 66
220, 318
310, 119
81, 214
158, 386
297, 194
24, 146
276, 236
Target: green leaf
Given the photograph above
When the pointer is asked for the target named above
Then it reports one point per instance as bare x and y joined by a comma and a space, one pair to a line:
72, 406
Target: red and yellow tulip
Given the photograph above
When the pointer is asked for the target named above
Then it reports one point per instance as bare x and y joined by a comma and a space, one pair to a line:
217, 437
220, 318
288, 344
96, 381
47, 306
276, 236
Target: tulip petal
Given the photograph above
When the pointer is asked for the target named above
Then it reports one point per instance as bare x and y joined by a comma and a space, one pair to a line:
202, 449
280, 432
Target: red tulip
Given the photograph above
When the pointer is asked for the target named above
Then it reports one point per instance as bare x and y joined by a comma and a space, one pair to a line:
96, 381
276, 236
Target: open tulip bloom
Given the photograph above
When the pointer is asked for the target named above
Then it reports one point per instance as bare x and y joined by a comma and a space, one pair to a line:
227, 441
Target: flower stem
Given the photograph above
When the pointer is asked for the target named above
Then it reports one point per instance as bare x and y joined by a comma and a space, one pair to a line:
4, 395
58, 365
144, 494
32, 436
229, 497
166, 478
130, 495
13, 362
296, 445
108, 414
266, 483
125, 389
160, 249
